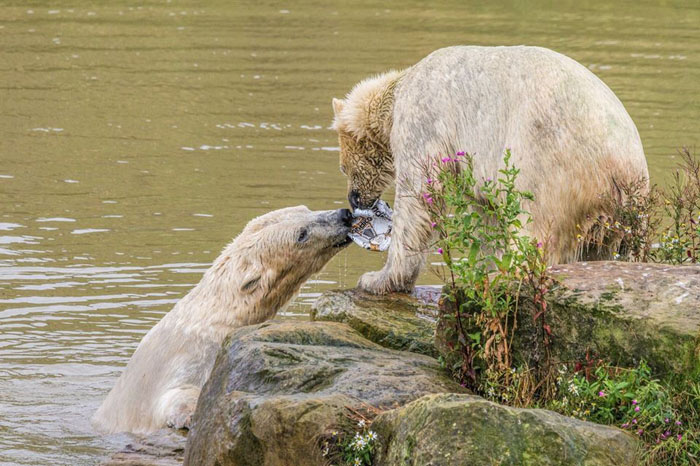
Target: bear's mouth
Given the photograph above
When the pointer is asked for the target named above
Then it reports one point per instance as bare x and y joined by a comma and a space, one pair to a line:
347, 240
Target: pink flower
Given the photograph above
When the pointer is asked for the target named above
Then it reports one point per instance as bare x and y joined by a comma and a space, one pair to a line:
640, 431
634, 402
601, 393
679, 437
634, 421
666, 420
636, 409
678, 423
539, 245
433, 224
446, 159
625, 425
460, 153
439, 250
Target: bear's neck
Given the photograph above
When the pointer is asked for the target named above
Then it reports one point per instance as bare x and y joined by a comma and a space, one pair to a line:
218, 304
380, 109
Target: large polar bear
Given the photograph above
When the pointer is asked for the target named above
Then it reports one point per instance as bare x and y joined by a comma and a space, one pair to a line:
569, 135
247, 284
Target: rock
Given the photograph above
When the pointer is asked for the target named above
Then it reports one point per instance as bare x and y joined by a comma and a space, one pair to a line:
395, 321
277, 387
162, 448
454, 429
649, 311
617, 311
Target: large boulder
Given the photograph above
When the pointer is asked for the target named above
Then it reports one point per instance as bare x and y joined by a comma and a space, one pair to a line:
453, 429
395, 321
278, 387
617, 311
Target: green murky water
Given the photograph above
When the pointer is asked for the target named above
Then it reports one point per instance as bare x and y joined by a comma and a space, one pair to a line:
137, 138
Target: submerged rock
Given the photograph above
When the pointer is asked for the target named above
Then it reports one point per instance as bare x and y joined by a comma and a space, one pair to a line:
162, 448
453, 429
277, 387
617, 311
395, 321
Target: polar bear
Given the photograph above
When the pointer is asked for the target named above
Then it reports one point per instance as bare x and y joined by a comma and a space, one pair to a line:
570, 136
255, 276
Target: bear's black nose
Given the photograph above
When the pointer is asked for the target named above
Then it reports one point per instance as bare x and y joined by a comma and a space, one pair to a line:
354, 199
345, 217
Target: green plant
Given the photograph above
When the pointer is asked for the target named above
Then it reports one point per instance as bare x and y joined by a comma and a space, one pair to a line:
355, 443
652, 224
488, 258
491, 265
680, 242
629, 231
664, 415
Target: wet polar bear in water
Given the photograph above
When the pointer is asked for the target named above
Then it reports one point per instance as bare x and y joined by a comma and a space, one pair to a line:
569, 135
255, 276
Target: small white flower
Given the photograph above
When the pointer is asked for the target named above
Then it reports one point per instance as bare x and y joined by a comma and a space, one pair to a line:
361, 423
573, 389
357, 462
371, 436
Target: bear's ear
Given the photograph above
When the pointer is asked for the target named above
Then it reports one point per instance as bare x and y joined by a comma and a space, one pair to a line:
254, 277
338, 105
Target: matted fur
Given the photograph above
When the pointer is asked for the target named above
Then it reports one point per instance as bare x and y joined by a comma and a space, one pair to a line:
255, 276
569, 135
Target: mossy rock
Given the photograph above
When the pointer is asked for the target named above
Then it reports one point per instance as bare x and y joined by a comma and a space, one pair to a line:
616, 311
277, 387
465, 430
395, 321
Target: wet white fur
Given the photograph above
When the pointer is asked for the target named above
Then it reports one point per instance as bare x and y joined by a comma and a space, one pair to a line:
248, 283
569, 134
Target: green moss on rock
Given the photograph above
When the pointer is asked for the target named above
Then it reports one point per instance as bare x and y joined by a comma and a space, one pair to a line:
620, 312
277, 387
396, 321
453, 429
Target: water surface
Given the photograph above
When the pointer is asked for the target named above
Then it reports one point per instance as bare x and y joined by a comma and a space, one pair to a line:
139, 137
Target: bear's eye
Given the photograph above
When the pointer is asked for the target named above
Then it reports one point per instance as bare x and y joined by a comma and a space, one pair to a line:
303, 236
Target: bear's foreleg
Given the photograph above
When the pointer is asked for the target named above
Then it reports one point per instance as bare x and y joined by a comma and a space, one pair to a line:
410, 239
177, 405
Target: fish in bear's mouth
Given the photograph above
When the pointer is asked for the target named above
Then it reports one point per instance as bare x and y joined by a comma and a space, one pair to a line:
371, 228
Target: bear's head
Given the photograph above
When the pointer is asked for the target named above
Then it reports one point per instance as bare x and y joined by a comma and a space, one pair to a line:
363, 121
276, 252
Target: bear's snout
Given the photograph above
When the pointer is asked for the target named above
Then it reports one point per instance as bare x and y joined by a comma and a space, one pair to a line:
344, 217
356, 201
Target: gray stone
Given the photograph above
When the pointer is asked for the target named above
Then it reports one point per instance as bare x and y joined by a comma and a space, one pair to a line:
395, 321
278, 387
465, 430
617, 311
